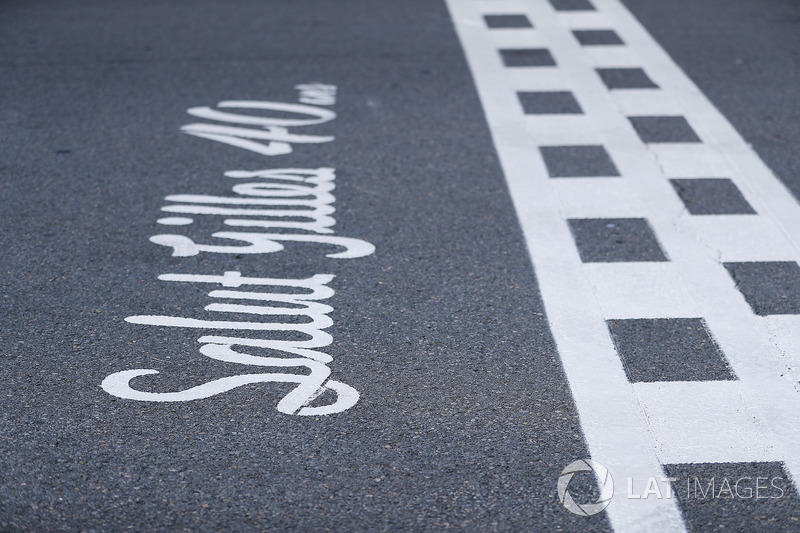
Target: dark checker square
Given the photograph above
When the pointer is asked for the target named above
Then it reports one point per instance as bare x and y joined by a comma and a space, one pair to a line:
597, 37
527, 57
507, 21
770, 287
668, 349
614, 240
572, 5
735, 496
664, 130
577, 161
549, 103
712, 196
626, 78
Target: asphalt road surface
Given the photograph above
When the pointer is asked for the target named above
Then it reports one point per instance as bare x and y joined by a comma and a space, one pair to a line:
400, 266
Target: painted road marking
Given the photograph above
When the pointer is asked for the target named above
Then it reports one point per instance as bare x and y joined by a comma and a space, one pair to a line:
651, 133
298, 203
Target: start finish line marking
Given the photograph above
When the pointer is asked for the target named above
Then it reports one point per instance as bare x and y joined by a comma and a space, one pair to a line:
298, 201
607, 148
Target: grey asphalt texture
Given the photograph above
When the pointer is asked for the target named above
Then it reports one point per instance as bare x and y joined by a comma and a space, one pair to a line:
465, 419
664, 130
668, 349
615, 240
770, 287
578, 161
712, 196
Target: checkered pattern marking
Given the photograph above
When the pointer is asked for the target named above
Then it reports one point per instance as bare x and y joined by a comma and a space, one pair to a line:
666, 251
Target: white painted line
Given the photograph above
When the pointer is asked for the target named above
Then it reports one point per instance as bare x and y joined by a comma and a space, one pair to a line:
633, 429
614, 427
517, 38
675, 409
596, 198
640, 290
557, 130
536, 79
612, 56
577, 19
754, 351
735, 238
697, 160
785, 331
643, 102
